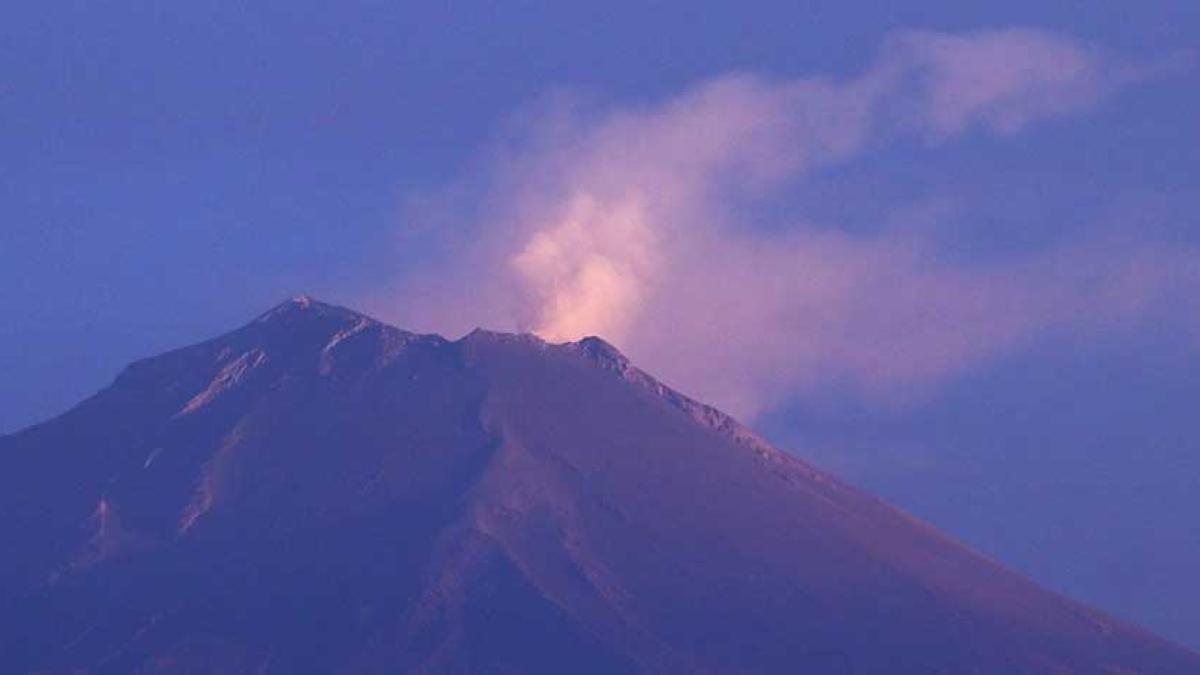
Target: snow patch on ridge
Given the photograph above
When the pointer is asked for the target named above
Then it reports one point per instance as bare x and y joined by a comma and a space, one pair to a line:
327, 352
229, 377
358, 327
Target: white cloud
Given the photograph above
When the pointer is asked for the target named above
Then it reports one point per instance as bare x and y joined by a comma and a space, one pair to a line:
618, 224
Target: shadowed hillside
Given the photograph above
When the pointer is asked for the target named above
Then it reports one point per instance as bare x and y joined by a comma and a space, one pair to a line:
320, 492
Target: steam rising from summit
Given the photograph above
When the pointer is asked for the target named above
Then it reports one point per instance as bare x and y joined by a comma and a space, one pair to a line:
632, 223
588, 274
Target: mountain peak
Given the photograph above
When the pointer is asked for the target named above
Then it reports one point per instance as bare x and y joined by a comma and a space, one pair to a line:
306, 305
318, 491
603, 353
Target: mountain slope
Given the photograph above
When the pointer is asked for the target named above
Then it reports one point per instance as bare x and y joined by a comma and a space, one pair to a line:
320, 492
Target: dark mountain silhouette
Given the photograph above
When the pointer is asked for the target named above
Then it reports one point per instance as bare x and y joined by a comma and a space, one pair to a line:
320, 492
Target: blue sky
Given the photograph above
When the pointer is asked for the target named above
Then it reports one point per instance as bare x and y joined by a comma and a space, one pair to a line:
983, 312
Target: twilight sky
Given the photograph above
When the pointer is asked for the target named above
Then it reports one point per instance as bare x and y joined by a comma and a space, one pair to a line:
951, 253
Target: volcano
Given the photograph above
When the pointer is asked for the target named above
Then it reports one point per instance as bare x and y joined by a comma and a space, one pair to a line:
319, 492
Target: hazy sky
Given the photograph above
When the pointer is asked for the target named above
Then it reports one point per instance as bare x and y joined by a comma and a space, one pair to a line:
951, 252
